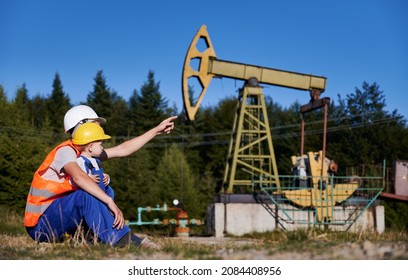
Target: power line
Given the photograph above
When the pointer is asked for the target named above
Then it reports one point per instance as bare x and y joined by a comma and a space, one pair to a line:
33, 133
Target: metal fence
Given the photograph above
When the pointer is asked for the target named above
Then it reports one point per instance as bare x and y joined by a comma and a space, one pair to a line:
331, 200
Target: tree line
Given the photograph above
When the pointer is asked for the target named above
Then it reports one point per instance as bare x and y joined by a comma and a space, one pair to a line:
189, 163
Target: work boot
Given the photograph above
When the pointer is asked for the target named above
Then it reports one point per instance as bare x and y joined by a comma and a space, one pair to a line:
148, 244
127, 239
124, 241
131, 238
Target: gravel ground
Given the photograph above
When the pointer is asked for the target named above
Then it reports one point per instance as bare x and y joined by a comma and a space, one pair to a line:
23, 247
233, 249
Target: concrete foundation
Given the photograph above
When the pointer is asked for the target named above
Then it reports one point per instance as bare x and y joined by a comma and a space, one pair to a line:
242, 218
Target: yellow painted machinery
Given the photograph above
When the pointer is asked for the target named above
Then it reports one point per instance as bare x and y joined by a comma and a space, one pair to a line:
251, 159
208, 66
316, 186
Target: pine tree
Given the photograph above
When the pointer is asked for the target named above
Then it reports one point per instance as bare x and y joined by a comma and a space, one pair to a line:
100, 99
22, 149
286, 131
131, 178
109, 105
118, 123
148, 108
21, 108
42, 118
174, 180
58, 103
5, 117
133, 114
361, 115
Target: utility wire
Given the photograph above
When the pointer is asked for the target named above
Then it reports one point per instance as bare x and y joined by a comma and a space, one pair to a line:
187, 138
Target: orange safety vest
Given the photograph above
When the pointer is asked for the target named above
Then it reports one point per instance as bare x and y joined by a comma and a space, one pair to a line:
43, 192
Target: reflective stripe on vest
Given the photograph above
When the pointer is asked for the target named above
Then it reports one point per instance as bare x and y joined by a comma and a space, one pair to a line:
43, 192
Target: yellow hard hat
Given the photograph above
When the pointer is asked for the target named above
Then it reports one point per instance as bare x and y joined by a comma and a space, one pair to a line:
89, 132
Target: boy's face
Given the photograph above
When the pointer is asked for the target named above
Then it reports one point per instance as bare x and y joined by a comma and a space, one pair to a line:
95, 148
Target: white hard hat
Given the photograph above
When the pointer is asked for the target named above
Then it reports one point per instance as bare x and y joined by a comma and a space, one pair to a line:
79, 114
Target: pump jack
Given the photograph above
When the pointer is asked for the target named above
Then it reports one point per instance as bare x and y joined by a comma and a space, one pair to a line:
251, 159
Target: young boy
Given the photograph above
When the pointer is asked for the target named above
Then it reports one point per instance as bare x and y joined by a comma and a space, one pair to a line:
89, 137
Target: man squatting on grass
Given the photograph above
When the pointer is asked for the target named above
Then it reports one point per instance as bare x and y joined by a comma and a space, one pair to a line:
56, 207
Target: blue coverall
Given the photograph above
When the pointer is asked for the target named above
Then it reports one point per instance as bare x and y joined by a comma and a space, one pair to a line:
88, 166
65, 214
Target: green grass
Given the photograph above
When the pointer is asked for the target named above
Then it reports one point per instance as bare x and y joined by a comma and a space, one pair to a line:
16, 244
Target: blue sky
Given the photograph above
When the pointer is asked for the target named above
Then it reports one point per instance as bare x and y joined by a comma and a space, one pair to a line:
348, 41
